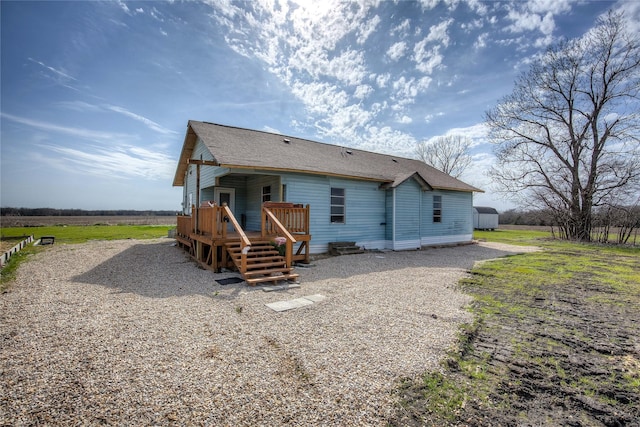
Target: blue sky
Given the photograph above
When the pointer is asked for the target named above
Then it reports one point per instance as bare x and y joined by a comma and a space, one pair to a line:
95, 96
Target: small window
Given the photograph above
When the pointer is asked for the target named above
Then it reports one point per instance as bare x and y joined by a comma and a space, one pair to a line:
437, 208
266, 193
337, 206
284, 193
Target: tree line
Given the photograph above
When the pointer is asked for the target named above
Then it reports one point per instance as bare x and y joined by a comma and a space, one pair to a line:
9, 211
610, 224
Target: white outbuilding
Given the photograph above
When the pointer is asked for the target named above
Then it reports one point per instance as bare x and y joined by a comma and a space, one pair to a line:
485, 218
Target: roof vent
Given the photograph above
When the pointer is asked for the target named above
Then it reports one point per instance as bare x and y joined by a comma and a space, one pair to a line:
349, 152
286, 140
394, 160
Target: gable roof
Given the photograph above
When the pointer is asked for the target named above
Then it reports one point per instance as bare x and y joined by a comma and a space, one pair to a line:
235, 148
485, 210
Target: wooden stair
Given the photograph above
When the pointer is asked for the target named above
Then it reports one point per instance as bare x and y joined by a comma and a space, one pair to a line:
264, 263
344, 248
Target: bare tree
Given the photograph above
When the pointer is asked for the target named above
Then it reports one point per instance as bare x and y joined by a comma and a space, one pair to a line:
567, 137
450, 154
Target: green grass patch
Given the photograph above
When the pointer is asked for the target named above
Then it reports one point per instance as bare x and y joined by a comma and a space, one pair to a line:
81, 234
514, 237
543, 316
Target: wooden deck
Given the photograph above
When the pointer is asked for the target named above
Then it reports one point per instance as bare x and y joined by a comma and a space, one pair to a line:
215, 239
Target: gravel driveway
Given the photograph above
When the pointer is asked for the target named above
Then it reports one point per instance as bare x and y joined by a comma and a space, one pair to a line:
134, 333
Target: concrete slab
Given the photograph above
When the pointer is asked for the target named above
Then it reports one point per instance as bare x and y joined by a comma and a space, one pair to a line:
271, 288
315, 298
289, 305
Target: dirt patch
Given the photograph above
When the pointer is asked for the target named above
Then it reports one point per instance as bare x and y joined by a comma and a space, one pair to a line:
563, 352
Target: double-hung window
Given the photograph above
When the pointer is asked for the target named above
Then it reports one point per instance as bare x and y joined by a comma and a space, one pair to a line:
266, 193
437, 208
337, 205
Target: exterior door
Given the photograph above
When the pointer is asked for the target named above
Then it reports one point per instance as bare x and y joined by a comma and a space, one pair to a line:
228, 196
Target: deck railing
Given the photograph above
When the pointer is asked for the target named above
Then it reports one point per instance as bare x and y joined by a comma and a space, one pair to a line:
245, 244
295, 218
185, 226
278, 219
210, 221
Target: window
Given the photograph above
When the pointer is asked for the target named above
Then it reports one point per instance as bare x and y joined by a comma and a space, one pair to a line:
266, 193
337, 205
437, 208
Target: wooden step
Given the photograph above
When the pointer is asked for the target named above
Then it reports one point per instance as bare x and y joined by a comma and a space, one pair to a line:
264, 263
344, 248
269, 271
256, 259
252, 281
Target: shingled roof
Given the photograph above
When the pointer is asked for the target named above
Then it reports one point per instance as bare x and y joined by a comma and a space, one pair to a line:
239, 148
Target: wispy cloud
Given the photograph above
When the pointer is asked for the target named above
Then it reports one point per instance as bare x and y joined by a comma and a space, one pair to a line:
147, 122
113, 157
56, 71
82, 106
119, 161
67, 130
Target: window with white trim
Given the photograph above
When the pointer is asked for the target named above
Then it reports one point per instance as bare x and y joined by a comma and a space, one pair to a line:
337, 205
437, 208
266, 193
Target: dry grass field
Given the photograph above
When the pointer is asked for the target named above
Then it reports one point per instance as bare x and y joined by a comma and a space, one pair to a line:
39, 221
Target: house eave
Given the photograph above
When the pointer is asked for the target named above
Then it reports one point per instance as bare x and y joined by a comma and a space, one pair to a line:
301, 171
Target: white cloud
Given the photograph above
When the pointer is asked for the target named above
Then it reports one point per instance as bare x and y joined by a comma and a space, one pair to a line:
404, 119
271, 130
123, 6
481, 41
86, 107
56, 71
383, 79
427, 60
397, 51
73, 131
363, 91
402, 28
147, 122
429, 4
116, 161
348, 67
387, 140
367, 29
439, 33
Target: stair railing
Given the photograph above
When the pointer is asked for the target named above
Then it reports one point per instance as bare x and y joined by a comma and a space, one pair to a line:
245, 243
267, 215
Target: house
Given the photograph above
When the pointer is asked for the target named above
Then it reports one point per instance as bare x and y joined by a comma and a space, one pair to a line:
485, 218
378, 201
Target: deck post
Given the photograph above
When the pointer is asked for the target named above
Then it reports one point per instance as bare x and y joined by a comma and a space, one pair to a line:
289, 253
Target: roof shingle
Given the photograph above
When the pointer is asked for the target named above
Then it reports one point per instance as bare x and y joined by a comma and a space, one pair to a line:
234, 147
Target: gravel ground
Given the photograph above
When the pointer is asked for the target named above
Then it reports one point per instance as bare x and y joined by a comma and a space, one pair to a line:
132, 332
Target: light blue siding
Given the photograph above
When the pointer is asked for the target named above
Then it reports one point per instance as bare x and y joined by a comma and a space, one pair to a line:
364, 203
254, 197
208, 176
407, 221
389, 211
398, 218
457, 217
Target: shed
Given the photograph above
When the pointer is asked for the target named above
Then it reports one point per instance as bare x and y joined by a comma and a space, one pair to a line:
485, 218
